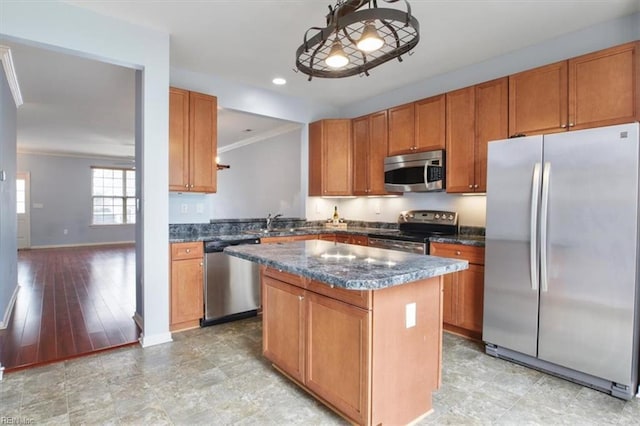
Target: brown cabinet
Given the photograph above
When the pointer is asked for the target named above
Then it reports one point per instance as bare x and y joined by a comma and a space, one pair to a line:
418, 126
402, 129
359, 240
192, 141
330, 162
369, 151
335, 343
186, 294
592, 90
463, 292
287, 239
430, 123
475, 116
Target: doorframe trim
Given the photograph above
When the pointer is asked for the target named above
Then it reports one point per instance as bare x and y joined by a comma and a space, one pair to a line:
10, 72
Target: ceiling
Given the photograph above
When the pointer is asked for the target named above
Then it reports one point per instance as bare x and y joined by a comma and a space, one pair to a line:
87, 107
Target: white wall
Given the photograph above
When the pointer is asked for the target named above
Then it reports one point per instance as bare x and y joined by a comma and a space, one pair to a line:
74, 30
264, 178
8, 218
62, 187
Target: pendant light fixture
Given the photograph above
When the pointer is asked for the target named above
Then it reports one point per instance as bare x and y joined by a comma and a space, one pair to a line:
358, 37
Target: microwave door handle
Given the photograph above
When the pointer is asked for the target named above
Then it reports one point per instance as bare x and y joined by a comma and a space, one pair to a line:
426, 173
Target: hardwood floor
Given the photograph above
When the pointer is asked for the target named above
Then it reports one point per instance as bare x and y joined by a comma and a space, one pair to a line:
72, 301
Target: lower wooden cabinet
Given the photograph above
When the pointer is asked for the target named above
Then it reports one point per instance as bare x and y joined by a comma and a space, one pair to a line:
287, 239
463, 292
359, 240
186, 289
336, 343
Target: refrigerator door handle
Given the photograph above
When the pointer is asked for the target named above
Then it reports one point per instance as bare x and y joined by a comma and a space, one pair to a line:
533, 237
544, 210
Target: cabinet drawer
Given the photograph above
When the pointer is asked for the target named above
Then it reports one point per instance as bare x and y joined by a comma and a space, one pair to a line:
286, 277
360, 298
459, 251
181, 251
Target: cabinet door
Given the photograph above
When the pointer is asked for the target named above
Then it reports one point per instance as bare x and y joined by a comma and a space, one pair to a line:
361, 156
327, 237
449, 299
178, 139
492, 123
338, 346
470, 298
430, 122
283, 315
402, 129
378, 146
342, 238
538, 100
460, 140
203, 137
186, 292
336, 154
315, 158
603, 87
360, 240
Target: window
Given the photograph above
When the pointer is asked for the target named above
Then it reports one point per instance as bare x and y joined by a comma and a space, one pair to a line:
113, 196
21, 195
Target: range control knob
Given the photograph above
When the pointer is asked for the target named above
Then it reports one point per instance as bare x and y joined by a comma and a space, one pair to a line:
450, 217
437, 216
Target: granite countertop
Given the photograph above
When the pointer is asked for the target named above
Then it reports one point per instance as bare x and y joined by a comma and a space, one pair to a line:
347, 266
471, 240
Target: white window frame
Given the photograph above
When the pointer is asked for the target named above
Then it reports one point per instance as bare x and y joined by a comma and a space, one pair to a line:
125, 197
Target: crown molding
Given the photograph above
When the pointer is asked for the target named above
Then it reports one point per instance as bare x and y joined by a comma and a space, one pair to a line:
74, 155
260, 137
10, 72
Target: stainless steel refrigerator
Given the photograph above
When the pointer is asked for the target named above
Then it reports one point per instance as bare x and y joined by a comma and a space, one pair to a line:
561, 267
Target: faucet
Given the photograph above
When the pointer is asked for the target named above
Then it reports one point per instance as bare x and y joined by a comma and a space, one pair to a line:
270, 221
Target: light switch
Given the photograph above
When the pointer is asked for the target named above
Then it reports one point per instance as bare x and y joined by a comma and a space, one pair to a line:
184, 208
38, 205
410, 315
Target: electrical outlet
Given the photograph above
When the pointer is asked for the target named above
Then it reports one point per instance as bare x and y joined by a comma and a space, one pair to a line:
199, 208
184, 208
410, 315
65, 231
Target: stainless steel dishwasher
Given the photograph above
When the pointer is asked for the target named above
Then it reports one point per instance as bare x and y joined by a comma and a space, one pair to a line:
231, 286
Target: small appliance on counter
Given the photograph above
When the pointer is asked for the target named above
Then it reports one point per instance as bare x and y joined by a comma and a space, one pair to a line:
415, 227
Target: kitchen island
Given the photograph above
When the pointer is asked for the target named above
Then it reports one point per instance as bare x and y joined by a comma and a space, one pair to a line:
359, 328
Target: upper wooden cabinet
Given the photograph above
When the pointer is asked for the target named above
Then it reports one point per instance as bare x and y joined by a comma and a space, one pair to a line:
193, 135
418, 126
430, 123
401, 129
369, 151
604, 87
475, 116
330, 164
597, 89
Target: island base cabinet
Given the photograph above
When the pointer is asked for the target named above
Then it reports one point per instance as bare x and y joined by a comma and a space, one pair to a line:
283, 313
377, 363
337, 368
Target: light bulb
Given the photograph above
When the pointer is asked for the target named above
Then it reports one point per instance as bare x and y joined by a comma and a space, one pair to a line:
370, 40
336, 58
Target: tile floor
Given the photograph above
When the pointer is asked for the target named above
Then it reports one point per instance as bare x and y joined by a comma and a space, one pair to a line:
216, 375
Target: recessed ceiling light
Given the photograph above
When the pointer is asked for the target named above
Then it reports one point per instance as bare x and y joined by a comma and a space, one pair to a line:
279, 81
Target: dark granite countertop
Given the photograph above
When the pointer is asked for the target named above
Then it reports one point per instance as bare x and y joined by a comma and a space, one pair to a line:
470, 240
347, 266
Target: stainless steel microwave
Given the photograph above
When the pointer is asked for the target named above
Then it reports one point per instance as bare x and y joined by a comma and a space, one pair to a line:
421, 172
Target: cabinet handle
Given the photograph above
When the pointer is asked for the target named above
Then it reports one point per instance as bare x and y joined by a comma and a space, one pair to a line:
188, 250
458, 252
300, 298
564, 126
470, 186
191, 185
475, 186
571, 124
186, 186
201, 264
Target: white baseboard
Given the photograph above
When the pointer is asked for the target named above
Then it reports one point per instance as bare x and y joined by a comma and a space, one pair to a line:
156, 339
7, 314
137, 318
1, 371
82, 245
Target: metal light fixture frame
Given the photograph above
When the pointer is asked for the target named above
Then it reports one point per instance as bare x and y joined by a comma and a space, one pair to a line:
399, 29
